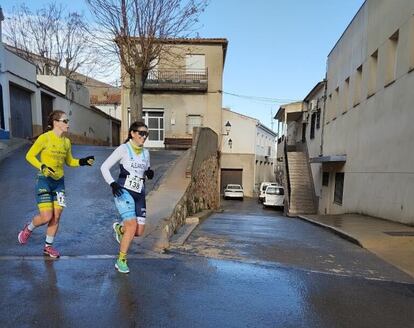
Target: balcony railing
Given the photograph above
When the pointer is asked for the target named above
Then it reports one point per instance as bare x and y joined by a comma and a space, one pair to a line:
176, 80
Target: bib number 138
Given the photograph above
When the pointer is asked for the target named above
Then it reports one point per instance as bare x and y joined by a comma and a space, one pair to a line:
133, 183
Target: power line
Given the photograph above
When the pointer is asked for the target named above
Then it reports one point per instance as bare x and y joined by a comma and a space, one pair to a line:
261, 99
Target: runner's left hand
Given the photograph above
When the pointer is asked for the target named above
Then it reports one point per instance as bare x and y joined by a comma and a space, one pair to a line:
149, 173
87, 161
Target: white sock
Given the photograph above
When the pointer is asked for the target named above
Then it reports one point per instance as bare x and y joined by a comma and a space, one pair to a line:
49, 240
31, 226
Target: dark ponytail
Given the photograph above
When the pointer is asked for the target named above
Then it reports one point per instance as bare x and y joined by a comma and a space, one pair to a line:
134, 127
53, 116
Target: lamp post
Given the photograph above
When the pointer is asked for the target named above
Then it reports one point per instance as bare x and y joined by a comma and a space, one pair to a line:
228, 128
230, 143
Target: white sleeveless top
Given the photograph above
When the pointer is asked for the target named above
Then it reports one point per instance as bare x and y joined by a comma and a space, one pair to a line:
135, 164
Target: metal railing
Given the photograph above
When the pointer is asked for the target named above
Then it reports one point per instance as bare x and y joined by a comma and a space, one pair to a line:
177, 76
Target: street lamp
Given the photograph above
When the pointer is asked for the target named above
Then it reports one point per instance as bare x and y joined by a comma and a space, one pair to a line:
230, 143
228, 127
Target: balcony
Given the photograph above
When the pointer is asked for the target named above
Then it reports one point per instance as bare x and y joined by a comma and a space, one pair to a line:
177, 80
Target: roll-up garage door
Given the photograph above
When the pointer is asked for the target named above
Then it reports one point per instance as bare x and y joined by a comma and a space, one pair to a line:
20, 112
231, 176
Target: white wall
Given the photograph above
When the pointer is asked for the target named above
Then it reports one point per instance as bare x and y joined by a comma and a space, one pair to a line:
20, 72
376, 134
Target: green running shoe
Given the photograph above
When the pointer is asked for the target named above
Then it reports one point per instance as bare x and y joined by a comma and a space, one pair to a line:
122, 266
118, 233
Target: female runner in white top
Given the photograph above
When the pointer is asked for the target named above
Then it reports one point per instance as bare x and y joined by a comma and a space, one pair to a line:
129, 189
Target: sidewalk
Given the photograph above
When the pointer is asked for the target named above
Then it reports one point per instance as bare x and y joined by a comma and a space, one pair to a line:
7, 146
391, 241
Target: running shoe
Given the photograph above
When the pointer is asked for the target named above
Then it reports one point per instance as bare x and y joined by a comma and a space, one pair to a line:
118, 233
24, 235
50, 251
122, 266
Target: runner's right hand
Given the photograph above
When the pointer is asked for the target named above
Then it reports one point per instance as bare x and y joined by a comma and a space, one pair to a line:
116, 189
47, 171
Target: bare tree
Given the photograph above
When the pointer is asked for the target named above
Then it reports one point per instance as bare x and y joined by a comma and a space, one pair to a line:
141, 32
55, 40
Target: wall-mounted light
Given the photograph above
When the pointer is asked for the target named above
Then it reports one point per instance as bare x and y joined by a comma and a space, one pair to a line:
228, 128
230, 143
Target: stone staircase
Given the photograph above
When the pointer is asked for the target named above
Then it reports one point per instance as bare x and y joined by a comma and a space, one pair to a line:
302, 194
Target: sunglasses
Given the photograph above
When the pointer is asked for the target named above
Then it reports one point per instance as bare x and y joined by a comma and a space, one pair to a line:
142, 133
66, 121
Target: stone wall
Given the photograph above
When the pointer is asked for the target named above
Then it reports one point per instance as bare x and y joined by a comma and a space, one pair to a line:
203, 168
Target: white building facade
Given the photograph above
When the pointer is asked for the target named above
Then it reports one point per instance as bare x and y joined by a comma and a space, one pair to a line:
248, 152
368, 153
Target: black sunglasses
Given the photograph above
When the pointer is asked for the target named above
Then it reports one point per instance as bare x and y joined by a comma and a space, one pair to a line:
66, 121
142, 133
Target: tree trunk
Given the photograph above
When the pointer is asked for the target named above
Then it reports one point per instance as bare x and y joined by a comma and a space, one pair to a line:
135, 97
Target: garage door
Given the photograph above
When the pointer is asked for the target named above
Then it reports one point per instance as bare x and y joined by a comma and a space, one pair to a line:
115, 134
231, 176
20, 112
47, 108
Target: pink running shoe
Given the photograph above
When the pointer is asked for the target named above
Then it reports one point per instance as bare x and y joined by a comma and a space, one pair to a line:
24, 235
50, 251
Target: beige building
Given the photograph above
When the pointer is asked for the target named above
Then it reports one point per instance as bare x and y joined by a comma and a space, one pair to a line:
314, 103
182, 93
369, 112
248, 152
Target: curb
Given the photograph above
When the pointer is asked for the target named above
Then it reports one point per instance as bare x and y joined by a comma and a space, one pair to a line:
337, 231
190, 224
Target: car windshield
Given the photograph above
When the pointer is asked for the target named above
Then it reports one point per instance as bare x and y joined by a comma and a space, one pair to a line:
237, 187
274, 191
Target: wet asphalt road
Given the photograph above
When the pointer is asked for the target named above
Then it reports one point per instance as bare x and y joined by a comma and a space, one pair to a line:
244, 267
90, 208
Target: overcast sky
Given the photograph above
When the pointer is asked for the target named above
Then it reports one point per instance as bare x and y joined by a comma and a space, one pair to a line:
277, 48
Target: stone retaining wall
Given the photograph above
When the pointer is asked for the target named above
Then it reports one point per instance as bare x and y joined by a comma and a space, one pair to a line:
202, 192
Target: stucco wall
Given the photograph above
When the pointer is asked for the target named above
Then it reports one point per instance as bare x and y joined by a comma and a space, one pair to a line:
86, 125
177, 105
246, 162
376, 135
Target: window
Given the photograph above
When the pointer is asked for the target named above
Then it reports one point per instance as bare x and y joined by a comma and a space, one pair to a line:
357, 86
318, 118
325, 179
195, 63
392, 46
345, 96
339, 187
155, 122
336, 102
312, 128
411, 42
329, 109
373, 68
193, 121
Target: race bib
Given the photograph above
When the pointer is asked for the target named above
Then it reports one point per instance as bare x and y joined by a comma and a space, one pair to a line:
61, 199
133, 183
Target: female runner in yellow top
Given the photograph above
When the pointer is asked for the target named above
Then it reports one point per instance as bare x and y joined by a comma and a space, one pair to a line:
55, 151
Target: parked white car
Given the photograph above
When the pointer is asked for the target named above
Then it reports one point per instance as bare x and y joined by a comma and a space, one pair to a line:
233, 191
274, 196
262, 190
